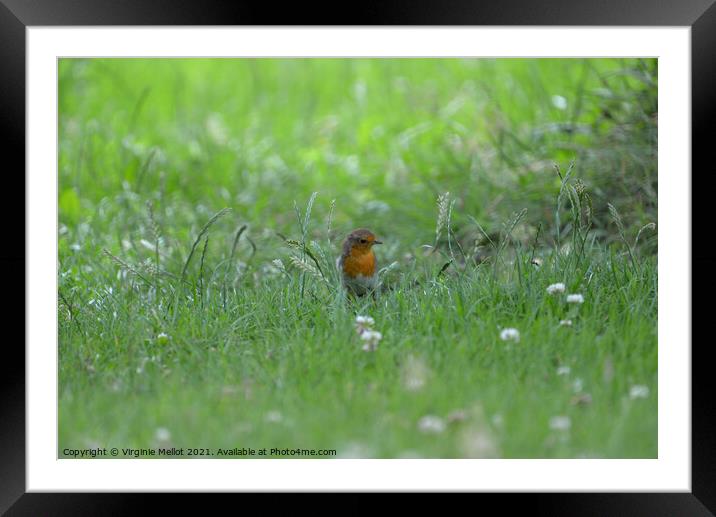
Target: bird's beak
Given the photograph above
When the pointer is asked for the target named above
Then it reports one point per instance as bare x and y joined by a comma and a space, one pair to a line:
377, 242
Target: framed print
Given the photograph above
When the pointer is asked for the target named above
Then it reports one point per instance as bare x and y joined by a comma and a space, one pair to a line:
392, 256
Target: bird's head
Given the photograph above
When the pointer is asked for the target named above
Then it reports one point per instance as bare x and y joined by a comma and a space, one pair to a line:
361, 241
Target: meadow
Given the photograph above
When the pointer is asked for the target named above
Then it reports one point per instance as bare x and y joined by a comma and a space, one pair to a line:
202, 204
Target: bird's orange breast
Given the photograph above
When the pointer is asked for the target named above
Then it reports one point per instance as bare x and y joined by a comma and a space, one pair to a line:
357, 263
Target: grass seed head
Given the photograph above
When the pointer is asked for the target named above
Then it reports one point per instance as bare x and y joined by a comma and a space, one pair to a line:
443, 205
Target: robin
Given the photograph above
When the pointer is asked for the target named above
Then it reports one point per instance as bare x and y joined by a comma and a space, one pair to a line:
357, 265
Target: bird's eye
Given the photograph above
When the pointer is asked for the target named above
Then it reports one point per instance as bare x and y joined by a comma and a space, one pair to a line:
363, 241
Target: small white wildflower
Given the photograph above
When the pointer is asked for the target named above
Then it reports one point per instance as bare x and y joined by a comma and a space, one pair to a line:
510, 334
560, 423
575, 298
563, 370
556, 288
366, 321
162, 434
162, 338
639, 392
371, 338
536, 262
559, 102
364, 324
577, 385
371, 335
565, 323
431, 424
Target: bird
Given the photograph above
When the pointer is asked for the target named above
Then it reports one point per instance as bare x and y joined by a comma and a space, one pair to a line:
357, 264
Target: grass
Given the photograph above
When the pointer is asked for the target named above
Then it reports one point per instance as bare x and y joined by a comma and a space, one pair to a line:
198, 302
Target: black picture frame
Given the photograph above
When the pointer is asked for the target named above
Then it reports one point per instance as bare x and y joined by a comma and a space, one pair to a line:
17, 15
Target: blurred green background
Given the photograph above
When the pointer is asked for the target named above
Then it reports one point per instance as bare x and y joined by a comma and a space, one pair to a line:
173, 332
383, 137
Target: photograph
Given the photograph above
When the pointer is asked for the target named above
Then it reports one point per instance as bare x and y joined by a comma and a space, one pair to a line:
378, 258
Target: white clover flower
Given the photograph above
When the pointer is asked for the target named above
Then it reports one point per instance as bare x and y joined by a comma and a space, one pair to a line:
565, 323
364, 329
365, 321
639, 392
510, 334
371, 338
162, 434
556, 288
560, 423
371, 335
575, 298
564, 370
431, 424
559, 102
